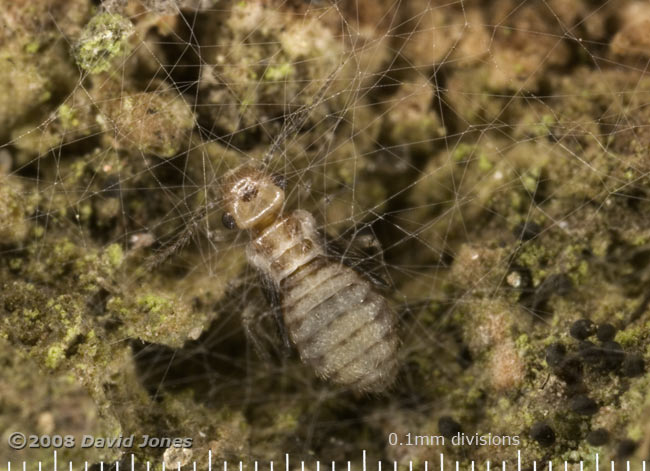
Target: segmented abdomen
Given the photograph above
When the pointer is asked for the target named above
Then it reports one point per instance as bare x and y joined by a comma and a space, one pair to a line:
340, 325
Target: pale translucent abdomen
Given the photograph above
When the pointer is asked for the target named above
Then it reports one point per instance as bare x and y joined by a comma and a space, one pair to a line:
340, 325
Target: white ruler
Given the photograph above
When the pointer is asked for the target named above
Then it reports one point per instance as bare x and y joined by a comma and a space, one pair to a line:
433, 465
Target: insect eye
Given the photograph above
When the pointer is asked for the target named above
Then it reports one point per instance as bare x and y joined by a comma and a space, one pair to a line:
228, 221
279, 181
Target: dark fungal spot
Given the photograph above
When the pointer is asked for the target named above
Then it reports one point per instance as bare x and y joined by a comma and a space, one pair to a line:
527, 230
582, 329
626, 448
613, 355
555, 284
464, 357
583, 405
569, 370
633, 365
606, 332
574, 389
448, 427
598, 437
590, 353
559, 285
542, 433
555, 353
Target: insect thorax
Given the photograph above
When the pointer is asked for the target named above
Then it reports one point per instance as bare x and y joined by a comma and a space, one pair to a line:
286, 245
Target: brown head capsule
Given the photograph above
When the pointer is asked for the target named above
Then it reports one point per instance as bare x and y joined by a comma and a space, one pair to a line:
341, 326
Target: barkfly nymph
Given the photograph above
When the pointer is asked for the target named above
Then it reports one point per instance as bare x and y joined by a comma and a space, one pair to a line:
338, 321
341, 326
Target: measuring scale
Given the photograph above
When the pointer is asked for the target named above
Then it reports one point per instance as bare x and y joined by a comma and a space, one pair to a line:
366, 465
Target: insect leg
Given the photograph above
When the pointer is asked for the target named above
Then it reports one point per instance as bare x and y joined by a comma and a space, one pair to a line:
250, 323
286, 344
274, 298
260, 337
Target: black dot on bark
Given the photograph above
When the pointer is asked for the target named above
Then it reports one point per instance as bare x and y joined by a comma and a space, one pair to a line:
598, 437
583, 405
448, 427
613, 355
582, 329
527, 231
569, 370
542, 433
606, 332
633, 365
555, 353
626, 448
590, 353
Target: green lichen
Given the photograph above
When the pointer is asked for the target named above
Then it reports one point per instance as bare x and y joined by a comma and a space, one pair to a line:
463, 151
484, 163
114, 255
68, 117
14, 213
104, 39
55, 354
157, 123
279, 72
154, 305
632, 337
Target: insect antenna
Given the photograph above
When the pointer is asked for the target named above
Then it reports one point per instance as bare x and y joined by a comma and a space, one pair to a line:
193, 225
293, 122
191, 229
